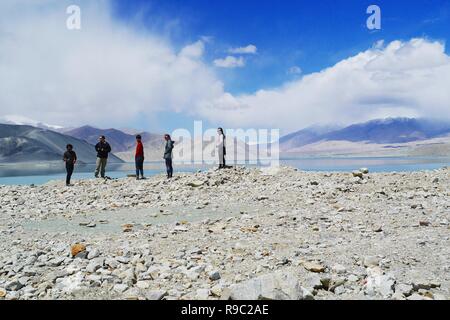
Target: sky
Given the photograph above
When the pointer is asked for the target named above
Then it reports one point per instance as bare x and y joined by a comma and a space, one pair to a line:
159, 65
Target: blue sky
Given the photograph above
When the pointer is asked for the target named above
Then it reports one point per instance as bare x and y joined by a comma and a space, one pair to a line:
158, 65
310, 34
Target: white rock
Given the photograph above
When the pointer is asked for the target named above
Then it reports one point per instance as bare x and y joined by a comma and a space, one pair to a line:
275, 286
202, 294
120, 287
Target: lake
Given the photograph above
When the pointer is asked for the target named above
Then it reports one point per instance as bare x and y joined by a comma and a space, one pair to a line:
22, 174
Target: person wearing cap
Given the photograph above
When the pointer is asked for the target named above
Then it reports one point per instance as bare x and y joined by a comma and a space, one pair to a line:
103, 149
139, 157
70, 158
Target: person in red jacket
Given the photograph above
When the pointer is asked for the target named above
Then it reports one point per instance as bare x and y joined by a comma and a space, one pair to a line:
139, 157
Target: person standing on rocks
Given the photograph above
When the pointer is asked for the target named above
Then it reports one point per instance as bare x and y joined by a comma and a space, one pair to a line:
168, 155
221, 148
103, 149
70, 158
139, 157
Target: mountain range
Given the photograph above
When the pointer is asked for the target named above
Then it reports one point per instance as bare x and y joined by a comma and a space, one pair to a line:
122, 144
22, 143
392, 136
375, 132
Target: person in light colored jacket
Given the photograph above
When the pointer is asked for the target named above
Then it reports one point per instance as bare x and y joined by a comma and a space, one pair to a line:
221, 147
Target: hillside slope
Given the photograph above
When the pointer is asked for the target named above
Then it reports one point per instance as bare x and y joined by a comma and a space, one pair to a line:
20, 143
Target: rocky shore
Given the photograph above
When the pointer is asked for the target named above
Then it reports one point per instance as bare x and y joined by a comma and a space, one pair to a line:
232, 234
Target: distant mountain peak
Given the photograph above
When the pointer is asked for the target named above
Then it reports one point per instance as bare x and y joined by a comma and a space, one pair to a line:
377, 131
21, 120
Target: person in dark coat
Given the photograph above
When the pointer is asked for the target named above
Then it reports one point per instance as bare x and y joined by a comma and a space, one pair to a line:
168, 155
139, 157
103, 149
70, 158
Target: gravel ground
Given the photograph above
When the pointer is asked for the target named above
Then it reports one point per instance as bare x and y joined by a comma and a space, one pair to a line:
231, 234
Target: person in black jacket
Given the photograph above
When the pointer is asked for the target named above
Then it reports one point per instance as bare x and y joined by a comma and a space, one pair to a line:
168, 155
103, 149
70, 158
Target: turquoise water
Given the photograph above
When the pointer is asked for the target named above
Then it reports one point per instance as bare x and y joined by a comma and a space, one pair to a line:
25, 175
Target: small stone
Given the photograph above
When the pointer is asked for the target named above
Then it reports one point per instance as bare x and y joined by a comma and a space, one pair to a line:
14, 286
120, 287
339, 269
91, 225
307, 295
155, 294
440, 297
2, 292
378, 229
217, 290
202, 294
226, 294
352, 278
425, 285
313, 282
94, 253
77, 248
123, 259
416, 296
214, 275
357, 174
371, 261
404, 289
398, 296
143, 284
82, 255
127, 227
364, 170
424, 223
314, 267
339, 290
93, 266
195, 184
180, 229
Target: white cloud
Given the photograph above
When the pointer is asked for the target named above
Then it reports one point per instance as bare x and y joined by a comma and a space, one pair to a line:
194, 50
104, 74
230, 62
109, 74
250, 49
295, 70
400, 79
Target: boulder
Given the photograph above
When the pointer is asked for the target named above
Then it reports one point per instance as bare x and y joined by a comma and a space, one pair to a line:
379, 283
275, 286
